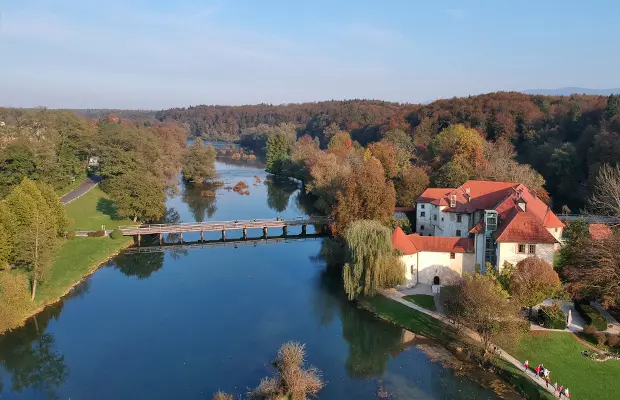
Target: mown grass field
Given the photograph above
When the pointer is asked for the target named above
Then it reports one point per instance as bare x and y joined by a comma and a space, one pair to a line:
561, 354
93, 210
422, 300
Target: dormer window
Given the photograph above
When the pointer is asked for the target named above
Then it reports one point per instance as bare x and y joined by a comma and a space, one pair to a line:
452, 200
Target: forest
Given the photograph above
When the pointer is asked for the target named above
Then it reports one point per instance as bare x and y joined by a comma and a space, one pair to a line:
565, 139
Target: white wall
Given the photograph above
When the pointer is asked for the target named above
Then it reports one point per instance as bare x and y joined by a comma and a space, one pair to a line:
556, 232
410, 264
431, 264
508, 252
423, 221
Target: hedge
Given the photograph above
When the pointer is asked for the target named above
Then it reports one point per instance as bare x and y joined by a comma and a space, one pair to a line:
71, 235
98, 233
552, 317
592, 316
116, 234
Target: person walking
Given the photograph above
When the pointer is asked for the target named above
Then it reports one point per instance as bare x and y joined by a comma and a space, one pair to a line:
537, 369
547, 379
526, 365
560, 391
566, 394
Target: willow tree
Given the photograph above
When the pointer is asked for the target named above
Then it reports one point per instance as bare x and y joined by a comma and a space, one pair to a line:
198, 162
372, 263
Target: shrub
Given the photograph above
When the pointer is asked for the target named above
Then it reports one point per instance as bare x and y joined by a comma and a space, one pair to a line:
71, 235
600, 338
223, 396
99, 233
552, 317
116, 234
592, 316
590, 330
613, 340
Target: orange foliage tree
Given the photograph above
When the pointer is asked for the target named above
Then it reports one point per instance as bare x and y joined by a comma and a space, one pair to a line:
533, 281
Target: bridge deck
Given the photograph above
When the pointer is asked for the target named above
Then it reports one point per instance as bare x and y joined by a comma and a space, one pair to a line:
153, 229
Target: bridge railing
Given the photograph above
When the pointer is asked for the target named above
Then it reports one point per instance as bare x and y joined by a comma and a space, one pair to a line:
227, 224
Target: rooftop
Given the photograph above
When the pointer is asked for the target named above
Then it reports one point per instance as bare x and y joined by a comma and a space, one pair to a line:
412, 244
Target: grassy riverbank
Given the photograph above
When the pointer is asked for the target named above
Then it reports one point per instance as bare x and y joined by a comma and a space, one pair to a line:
561, 354
430, 327
75, 258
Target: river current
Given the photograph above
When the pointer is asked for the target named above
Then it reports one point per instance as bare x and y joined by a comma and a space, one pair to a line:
186, 322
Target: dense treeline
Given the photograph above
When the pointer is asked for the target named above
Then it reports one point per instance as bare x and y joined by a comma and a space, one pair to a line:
565, 139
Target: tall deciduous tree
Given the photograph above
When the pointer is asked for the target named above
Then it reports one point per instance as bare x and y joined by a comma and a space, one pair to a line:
365, 195
479, 303
606, 194
533, 281
198, 162
385, 152
409, 185
139, 196
277, 152
372, 263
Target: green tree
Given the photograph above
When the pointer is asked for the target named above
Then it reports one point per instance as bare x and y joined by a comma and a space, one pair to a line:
451, 175
198, 162
533, 281
613, 106
53, 202
277, 152
372, 263
138, 195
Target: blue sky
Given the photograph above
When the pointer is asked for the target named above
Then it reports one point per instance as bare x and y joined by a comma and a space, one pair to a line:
160, 54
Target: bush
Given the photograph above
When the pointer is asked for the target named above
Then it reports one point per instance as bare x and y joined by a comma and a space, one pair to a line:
116, 234
592, 316
600, 338
613, 340
552, 317
99, 233
590, 330
71, 235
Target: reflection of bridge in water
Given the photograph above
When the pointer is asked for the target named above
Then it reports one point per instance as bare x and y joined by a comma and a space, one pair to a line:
251, 241
223, 226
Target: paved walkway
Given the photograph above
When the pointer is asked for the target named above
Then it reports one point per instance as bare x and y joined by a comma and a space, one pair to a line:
81, 190
397, 296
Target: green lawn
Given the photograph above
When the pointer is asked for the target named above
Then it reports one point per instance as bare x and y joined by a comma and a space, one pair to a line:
423, 300
92, 210
409, 318
561, 354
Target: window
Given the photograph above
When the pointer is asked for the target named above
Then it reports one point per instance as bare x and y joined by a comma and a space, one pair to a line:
421, 227
532, 249
453, 200
458, 217
521, 249
422, 206
452, 256
491, 221
422, 214
435, 217
458, 232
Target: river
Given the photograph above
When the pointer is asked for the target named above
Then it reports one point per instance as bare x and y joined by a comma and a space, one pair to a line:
185, 323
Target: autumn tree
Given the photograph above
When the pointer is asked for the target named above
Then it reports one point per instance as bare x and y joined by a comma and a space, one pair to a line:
479, 303
327, 178
533, 281
137, 196
461, 145
198, 163
385, 152
372, 264
409, 185
365, 194
593, 270
605, 197
277, 152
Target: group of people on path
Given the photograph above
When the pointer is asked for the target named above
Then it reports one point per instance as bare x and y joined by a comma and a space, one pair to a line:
544, 373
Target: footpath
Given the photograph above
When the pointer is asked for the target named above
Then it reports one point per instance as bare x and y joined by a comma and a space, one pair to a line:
81, 190
397, 296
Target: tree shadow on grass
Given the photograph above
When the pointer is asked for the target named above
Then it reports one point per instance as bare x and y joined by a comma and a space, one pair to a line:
107, 207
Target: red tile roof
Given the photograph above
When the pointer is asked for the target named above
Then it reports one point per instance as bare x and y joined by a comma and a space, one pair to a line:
599, 231
433, 194
412, 244
523, 227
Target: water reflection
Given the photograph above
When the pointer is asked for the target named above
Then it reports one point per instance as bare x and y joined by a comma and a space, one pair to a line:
200, 200
279, 191
29, 355
138, 265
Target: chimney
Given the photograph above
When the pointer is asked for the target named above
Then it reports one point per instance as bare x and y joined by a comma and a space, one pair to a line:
467, 194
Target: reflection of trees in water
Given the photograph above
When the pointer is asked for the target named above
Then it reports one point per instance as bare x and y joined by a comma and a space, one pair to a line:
140, 265
279, 191
28, 354
371, 341
200, 206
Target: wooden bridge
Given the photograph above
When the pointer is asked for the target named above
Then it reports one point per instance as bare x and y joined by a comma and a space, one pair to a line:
223, 226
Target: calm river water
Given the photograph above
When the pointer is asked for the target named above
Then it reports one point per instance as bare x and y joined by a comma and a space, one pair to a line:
183, 324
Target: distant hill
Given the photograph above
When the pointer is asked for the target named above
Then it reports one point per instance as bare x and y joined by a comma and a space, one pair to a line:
567, 91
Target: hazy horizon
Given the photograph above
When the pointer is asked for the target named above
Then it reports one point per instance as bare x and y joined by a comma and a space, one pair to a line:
156, 55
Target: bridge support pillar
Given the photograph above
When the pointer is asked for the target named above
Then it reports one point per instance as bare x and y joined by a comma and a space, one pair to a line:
181, 236
245, 233
138, 239
303, 229
284, 230
161, 238
202, 236
223, 234
265, 232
